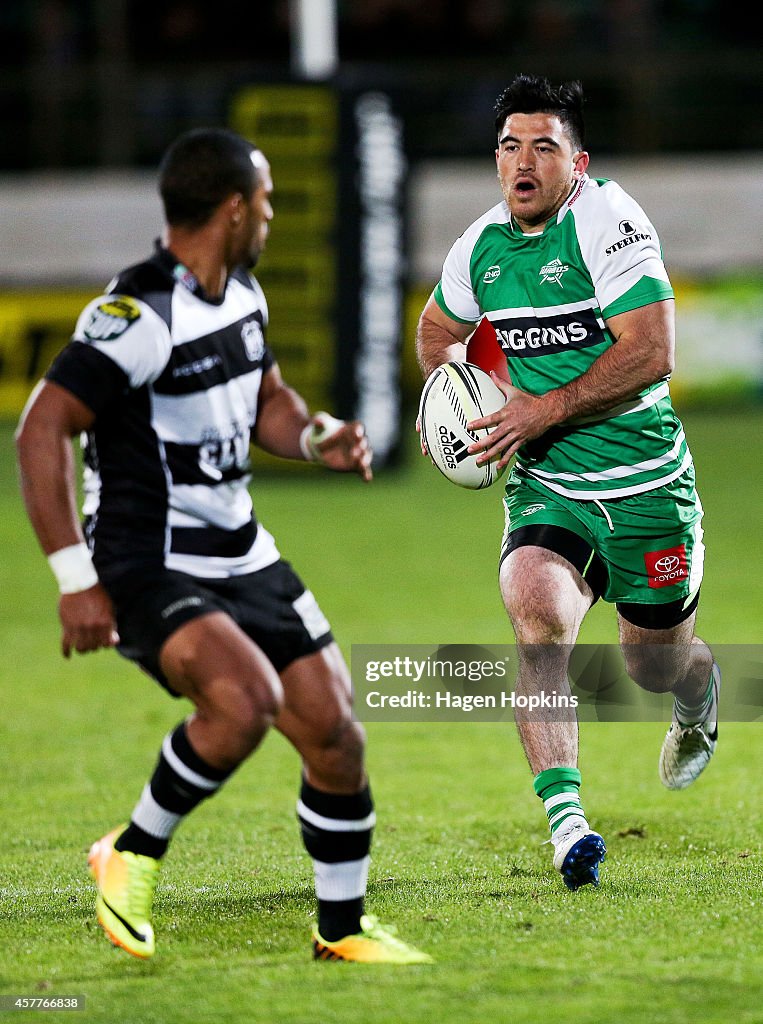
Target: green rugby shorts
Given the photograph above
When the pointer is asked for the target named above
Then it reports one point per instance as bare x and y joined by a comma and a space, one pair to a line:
643, 553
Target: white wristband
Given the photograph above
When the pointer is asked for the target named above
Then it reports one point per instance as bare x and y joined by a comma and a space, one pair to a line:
322, 426
73, 568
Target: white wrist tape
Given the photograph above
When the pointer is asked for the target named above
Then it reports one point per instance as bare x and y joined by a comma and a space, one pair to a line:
73, 568
320, 429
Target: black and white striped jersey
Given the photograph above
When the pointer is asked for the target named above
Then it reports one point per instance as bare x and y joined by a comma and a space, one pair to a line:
173, 378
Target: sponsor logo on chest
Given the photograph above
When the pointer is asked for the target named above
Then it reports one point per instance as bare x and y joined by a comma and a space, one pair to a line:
197, 366
519, 339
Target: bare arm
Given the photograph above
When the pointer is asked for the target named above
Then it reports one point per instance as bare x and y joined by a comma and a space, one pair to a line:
440, 339
46, 464
282, 417
643, 354
43, 442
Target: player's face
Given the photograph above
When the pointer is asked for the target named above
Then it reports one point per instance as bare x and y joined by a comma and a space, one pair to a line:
537, 167
259, 215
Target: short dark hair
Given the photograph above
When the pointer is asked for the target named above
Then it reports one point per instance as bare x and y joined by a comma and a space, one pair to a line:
201, 169
532, 94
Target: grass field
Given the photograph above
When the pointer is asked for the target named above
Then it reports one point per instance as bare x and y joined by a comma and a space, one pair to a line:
673, 934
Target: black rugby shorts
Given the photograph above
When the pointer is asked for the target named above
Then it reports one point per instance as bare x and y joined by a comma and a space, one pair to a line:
271, 606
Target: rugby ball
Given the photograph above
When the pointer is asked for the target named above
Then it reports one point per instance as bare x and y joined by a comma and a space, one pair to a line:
454, 395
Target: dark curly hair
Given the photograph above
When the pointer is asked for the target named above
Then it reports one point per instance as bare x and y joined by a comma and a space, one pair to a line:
532, 94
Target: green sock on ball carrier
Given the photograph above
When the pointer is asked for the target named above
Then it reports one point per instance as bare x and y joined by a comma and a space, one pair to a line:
559, 789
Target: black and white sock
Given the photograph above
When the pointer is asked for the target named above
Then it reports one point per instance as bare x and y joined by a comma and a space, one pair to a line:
181, 780
336, 831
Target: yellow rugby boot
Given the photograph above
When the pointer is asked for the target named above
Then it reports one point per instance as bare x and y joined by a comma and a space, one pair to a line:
373, 944
126, 883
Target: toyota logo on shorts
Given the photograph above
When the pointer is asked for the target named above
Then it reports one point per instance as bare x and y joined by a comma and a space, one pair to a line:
667, 564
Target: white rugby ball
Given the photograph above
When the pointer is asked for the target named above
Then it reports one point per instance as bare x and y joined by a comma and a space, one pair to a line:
454, 395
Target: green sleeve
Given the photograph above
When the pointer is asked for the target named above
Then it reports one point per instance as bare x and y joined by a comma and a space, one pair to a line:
646, 291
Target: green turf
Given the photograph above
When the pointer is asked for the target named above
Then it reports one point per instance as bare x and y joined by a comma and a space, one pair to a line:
672, 935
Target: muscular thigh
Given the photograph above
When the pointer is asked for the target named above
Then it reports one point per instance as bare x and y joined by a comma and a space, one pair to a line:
317, 697
213, 663
545, 595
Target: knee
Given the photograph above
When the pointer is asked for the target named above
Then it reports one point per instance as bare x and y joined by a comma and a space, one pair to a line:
338, 749
246, 708
541, 622
260, 703
651, 667
343, 736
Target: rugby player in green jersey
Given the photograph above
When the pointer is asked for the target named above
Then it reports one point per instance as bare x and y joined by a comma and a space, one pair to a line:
601, 499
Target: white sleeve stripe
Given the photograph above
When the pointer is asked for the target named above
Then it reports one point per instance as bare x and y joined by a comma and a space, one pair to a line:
603, 217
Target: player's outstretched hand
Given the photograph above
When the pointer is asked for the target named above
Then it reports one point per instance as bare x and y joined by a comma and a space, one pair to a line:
347, 450
88, 621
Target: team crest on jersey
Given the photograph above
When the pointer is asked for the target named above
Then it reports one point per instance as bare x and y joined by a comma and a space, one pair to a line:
254, 341
552, 272
110, 319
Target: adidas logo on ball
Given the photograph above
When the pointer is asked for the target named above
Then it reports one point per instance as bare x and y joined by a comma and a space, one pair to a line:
453, 451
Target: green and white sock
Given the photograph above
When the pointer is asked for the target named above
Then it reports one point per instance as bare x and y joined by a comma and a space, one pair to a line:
688, 714
559, 788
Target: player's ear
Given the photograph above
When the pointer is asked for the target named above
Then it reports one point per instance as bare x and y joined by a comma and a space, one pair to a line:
580, 163
235, 205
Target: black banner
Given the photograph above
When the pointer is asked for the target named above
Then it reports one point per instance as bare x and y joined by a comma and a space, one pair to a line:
372, 170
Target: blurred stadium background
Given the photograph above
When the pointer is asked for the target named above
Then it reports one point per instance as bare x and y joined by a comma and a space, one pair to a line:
376, 115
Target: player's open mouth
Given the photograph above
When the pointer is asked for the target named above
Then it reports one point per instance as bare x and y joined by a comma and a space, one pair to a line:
524, 185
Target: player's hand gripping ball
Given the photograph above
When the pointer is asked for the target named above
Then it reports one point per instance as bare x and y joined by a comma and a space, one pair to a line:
454, 395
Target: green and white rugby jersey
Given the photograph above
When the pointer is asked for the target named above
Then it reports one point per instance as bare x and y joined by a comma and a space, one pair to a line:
548, 296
